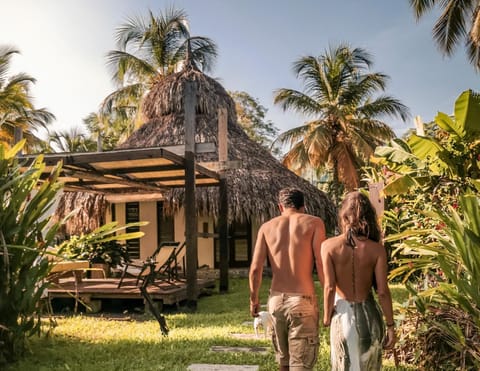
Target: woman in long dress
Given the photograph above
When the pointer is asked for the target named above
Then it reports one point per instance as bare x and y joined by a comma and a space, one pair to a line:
355, 265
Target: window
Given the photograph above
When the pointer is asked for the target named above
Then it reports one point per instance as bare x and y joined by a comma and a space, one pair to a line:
239, 245
165, 225
132, 215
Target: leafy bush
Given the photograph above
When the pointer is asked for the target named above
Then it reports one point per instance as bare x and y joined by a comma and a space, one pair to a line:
25, 234
433, 182
449, 303
102, 245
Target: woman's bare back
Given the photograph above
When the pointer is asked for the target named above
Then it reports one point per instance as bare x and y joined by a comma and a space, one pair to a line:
354, 266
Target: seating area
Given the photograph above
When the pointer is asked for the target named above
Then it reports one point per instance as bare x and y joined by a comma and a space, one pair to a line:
158, 280
163, 265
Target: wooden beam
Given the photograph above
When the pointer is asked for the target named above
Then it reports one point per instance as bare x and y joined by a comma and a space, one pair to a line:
222, 135
222, 165
223, 201
191, 225
81, 158
199, 148
144, 169
98, 177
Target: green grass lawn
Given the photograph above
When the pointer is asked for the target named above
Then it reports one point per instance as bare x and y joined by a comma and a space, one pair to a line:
87, 342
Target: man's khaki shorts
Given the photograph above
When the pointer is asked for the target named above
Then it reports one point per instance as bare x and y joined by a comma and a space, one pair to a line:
295, 329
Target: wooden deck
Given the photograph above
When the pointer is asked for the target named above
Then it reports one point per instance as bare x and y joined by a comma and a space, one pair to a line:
92, 291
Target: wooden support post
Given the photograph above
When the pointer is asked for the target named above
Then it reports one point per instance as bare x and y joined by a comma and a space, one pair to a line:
223, 234
223, 191
190, 199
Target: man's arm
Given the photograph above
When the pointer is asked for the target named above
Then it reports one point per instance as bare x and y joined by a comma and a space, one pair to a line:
329, 287
319, 236
256, 271
384, 296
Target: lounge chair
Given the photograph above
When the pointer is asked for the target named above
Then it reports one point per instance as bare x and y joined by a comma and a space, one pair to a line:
140, 269
169, 270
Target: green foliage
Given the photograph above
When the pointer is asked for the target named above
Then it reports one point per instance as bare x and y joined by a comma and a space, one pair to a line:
25, 234
101, 245
450, 253
17, 110
72, 140
251, 117
433, 228
450, 157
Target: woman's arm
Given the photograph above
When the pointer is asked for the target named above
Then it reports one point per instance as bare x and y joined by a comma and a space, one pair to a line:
384, 296
329, 285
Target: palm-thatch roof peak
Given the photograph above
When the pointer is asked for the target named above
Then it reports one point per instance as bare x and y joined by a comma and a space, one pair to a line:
252, 188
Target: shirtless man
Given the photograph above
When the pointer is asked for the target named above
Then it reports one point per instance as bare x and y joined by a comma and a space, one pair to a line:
351, 261
292, 243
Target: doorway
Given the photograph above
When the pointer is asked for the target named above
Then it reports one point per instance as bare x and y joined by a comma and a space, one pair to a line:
239, 245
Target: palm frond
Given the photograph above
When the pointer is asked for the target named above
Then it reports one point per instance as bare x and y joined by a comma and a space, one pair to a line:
385, 105
124, 65
6, 53
296, 158
296, 134
450, 27
473, 53
420, 7
345, 161
363, 87
475, 29
127, 95
295, 100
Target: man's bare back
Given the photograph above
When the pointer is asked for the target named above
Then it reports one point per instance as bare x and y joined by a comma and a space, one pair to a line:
292, 244
293, 240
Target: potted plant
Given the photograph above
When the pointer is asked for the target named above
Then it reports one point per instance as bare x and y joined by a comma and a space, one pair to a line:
101, 247
107, 255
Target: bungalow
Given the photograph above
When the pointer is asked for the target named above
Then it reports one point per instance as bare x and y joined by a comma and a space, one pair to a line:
252, 184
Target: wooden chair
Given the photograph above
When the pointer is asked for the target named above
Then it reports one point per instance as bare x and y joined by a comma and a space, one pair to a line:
169, 270
140, 269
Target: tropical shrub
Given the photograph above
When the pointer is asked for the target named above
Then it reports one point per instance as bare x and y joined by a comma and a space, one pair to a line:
449, 159
101, 245
432, 184
450, 303
25, 234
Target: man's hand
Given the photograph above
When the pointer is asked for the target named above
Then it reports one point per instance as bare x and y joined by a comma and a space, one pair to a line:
254, 309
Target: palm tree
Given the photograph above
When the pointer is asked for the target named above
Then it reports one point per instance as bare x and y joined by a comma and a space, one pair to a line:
345, 127
149, 49
459, 21
110, 129
72, 140
16, 106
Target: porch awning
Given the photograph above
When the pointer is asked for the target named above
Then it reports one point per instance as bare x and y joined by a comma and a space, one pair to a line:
144, 170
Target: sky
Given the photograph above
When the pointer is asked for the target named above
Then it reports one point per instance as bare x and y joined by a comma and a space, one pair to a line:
63, 45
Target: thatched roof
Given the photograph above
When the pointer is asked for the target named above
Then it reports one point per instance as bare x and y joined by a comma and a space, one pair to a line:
89, 215
252, 188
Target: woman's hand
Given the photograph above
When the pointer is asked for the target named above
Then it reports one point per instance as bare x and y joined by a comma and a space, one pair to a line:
390, 339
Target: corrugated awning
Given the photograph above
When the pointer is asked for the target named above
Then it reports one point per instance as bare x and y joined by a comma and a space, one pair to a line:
144, 170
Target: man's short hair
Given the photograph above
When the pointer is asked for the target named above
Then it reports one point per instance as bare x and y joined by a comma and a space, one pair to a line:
291, 198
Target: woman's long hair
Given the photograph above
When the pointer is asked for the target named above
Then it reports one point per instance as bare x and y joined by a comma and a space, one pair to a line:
357, 217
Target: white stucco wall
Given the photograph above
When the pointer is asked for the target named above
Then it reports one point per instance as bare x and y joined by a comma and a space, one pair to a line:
204, 245
148, 243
